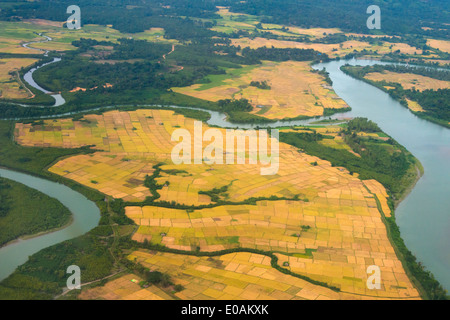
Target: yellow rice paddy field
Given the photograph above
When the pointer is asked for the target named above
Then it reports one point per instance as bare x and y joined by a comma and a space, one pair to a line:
409, 80
10, 86
295, 90
130, 143
345, 235
331, 233
414, 106
332, 50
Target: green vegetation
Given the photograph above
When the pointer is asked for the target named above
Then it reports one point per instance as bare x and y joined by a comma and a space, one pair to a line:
137, 72
25, 211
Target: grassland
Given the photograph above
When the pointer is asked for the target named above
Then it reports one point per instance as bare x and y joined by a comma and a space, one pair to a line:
295, 90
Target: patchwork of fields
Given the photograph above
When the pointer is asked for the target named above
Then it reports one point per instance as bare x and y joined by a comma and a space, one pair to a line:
333, 50
330, 230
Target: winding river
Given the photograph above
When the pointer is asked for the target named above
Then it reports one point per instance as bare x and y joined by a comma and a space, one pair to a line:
28, 77
423, 216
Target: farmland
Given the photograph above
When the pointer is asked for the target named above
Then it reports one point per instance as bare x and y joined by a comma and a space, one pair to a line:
295, 90
222, 229
234, 22
443, 45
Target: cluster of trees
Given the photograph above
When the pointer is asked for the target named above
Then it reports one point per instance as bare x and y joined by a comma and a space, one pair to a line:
129, 16
4, 199
260, 84
149, 70
325, 74
436, 103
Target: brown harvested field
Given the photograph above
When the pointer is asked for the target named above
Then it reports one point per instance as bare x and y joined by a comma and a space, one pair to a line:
124, 288
295, 90
409, 80
330, 49
239, 276
10, 86
443, 45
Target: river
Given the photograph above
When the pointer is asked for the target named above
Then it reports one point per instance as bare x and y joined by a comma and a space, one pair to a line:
423, 216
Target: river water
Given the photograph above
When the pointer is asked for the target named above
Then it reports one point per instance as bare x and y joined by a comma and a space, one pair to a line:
423, 217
